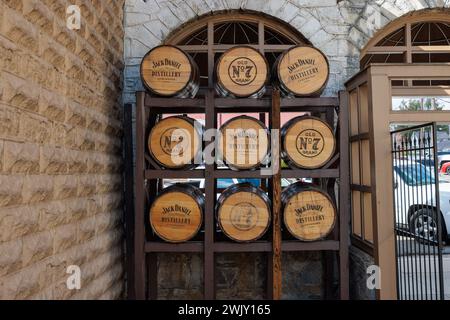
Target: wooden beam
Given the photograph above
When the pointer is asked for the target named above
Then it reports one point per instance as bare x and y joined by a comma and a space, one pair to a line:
387, 49
344, 196
381, 173
433, 49
276, 200
210, 184
139, 228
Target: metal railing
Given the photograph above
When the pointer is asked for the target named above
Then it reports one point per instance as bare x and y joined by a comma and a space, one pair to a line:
417, 215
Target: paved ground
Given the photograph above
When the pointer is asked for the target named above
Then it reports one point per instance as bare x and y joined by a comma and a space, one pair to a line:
419, 267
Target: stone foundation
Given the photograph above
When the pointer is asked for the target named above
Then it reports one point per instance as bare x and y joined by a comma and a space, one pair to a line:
240, 276
359, 262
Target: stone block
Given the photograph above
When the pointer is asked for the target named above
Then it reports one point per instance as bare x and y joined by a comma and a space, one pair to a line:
58, 7
14, 4
86, 229
16, 222
37, 188
65, 237
94, 40
52, 105
66, 186
94, 205
51, 214
39, 15
53, 160
17, 29
17, 92
76, 209
75, 115
11, 190
9, 122
10, 256
34, 128
77, 161
37, 247
21, 158
86, 185
64, 36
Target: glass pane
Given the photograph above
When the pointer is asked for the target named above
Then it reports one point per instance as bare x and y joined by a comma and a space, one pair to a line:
199, 37
430, 34
201, 59
272, 36
396, 38
356, 213
224, 183
430, 57
236, 33
421, 103
354, 113
363, 110
355, 179
365, 158
368, 227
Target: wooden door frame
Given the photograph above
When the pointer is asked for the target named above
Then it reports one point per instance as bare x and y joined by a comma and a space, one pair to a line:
378, 78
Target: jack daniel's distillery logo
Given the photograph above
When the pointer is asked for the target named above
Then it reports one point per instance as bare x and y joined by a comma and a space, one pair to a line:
166, 69
176, 215
303, 69
242, 71
309, 213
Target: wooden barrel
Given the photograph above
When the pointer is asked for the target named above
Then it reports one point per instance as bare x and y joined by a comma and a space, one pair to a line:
242, 72
307, 142
176, 214
170, 72
176, 142
309, 214
301, 71
243, 212
244, 143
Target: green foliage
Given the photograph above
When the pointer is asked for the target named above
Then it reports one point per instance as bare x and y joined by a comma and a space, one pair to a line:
421, 104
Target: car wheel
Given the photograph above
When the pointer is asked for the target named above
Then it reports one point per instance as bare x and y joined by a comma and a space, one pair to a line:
424, 225
447, 171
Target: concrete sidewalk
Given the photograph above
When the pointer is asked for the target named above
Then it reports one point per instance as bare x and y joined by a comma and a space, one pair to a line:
419, 271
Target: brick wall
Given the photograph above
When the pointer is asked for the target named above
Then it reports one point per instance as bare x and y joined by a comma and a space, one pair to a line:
60, 149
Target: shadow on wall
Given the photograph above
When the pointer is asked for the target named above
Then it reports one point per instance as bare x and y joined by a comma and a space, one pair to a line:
359, 262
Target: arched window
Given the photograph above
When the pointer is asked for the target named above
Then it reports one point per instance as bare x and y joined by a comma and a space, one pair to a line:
207, 38
421, 37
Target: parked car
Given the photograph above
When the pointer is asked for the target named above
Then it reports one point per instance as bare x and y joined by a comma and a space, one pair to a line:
445, 168
414, 191
428, 159
443, 158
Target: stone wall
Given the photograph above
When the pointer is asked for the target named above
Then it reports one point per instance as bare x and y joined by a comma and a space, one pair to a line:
339, 28
359, 262
240, 276
60, 149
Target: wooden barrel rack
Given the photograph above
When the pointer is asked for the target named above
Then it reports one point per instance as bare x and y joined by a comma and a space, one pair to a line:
145, 182
150, 173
